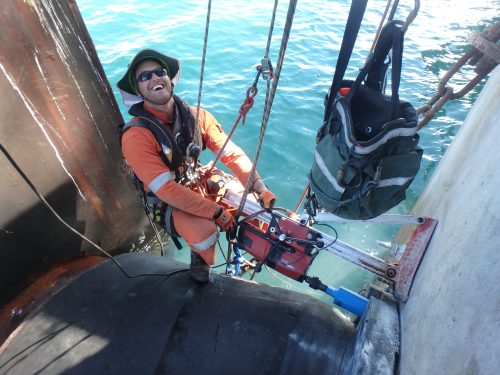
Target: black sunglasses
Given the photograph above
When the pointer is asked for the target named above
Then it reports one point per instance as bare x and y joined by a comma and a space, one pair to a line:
146, 75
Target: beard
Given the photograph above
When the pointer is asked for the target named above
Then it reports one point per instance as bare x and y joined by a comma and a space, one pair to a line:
159, 99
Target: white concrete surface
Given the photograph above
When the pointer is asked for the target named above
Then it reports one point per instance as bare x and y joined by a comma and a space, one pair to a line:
451, 322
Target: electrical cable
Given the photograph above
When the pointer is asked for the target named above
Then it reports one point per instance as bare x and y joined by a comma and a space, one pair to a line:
274, 274
332, 228
54, 212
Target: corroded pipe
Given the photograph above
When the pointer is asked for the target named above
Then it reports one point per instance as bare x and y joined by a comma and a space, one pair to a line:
59, 125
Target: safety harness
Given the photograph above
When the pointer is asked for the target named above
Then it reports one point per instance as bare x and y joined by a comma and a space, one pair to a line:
178, 143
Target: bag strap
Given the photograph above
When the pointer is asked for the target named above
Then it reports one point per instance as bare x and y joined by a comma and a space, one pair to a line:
352, 27
391, 37
376, 75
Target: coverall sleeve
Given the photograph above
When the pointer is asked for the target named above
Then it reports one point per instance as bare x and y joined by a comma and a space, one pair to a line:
233, 156
141, 150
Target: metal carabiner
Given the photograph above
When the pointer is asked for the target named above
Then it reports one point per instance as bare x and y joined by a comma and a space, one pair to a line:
411, 16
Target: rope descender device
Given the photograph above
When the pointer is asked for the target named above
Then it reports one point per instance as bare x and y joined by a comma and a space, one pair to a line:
266, 68
267, 72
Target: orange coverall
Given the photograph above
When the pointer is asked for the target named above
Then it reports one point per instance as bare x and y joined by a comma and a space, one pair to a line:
193, 213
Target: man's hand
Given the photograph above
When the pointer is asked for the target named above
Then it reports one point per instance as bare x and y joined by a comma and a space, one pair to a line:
267, 199
224, 220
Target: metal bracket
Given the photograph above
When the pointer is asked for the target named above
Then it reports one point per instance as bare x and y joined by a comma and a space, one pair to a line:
410, 260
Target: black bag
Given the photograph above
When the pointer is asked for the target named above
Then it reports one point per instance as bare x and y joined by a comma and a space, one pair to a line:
367, 153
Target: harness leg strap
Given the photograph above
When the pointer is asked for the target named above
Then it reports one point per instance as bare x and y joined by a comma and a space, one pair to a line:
169, 226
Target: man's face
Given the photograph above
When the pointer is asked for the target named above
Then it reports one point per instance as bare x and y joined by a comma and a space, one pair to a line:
157, 89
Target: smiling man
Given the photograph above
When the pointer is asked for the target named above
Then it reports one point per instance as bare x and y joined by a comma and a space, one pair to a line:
156, 143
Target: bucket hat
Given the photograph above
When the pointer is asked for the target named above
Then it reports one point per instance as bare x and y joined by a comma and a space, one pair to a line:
127, 83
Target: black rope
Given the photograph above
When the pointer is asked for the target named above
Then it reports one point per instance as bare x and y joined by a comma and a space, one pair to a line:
334, 230
51, 209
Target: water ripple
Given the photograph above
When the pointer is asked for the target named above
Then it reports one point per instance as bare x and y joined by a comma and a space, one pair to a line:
237, 42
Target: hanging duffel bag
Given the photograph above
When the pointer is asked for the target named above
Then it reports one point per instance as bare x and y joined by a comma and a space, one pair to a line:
367, 153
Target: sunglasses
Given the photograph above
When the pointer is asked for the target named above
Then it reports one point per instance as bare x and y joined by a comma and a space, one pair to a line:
148, 74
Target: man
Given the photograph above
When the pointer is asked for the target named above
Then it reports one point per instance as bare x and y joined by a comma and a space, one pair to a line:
156, 143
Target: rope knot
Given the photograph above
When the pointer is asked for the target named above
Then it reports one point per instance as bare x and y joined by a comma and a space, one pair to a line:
248, 103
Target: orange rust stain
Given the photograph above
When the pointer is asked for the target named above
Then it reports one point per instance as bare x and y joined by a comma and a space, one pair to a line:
41, 290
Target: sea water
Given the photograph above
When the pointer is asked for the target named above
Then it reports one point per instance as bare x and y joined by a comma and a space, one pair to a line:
237, 38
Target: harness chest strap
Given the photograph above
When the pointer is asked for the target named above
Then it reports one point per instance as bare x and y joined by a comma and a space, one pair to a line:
175, 143
168, 142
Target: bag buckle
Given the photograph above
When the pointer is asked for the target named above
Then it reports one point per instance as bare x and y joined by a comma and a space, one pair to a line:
341, 175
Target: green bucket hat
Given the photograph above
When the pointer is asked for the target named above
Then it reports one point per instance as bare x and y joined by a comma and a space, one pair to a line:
127, 82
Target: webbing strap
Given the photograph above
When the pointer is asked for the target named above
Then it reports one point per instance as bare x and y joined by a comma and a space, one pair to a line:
391, 37
170, 228
353, 24
397, 65
164, 137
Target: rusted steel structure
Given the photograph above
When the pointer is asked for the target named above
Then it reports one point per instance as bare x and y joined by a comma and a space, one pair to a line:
59, 126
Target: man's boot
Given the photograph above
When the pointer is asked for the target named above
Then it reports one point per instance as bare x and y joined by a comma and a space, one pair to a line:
200, 270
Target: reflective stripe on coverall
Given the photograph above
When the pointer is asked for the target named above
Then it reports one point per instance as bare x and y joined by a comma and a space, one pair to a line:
192, 214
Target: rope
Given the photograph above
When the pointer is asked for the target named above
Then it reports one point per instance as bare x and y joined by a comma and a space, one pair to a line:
269, 102
296, 209
393, 10
271, 28
251, 91
377, 34
245, 107
207, 25
408, 21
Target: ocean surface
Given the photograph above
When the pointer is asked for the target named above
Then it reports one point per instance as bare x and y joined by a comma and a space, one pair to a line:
237, 39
